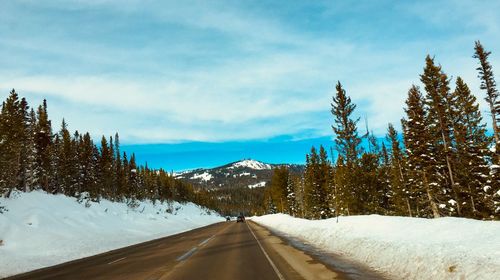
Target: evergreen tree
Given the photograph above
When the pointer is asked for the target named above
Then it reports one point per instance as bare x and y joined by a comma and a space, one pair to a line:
279, 188
119, 170
67, 166
317, 184
12, 131
342, 194
30, 153
347, 140
347, 143
291, 198
401, 193
25, 146
43, 149
105, 169
323, 184
440, 128
421, 156
492, 96
384, 191
472, 151
134, 180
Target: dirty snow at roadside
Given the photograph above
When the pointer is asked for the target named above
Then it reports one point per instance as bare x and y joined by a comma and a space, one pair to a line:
406, 248
40, 230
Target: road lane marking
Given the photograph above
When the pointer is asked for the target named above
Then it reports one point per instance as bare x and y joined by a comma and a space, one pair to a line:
206, 240
191, 252
280, 276
115, 261
187, 255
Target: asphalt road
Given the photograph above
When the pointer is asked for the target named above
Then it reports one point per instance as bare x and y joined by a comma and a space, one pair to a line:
221, 251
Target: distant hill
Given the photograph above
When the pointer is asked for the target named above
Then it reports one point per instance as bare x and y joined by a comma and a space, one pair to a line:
247, 173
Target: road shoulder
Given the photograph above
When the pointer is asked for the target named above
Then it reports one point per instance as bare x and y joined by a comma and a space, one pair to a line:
292, 263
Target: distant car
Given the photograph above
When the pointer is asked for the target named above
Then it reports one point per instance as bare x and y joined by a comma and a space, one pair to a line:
228, 219
241, 219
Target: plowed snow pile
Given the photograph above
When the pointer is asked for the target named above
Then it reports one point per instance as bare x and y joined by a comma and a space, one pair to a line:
40, 229
406, 248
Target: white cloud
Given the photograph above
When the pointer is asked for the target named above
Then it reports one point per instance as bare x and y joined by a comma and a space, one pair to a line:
220, 71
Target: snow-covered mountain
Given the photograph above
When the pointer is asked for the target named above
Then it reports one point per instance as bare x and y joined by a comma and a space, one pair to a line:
247, 173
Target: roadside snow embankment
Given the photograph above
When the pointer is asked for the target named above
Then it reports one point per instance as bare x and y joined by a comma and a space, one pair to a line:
40, 229
406, 248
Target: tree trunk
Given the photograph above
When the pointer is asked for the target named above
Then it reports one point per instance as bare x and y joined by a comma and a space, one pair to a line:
409, 208
450, 171
472, 200
434, 208
496, 133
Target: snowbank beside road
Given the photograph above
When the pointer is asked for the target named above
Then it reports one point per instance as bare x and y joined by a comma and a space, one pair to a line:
406, 248
40, 230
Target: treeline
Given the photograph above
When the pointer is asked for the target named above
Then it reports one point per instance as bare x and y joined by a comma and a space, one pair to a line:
232, 201
445, 163
33, 157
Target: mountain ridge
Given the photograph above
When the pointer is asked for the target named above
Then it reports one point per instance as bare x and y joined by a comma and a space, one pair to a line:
244, 173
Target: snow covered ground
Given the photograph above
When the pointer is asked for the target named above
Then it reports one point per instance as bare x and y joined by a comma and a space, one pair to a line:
406, 248
258, 185
41, 230
250, 163
205, 176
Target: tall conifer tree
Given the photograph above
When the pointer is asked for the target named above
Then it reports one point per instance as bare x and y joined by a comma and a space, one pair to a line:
492, 96
421, 156
440, 127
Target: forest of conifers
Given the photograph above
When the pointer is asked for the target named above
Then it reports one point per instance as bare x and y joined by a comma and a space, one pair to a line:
445, 163
33, 157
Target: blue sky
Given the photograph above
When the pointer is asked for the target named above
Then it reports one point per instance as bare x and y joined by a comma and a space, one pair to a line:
214, 73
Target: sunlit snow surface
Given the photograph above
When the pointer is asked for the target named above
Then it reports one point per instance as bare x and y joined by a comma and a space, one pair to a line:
258, 185
40, 230
405, 248
250, 163
205, 176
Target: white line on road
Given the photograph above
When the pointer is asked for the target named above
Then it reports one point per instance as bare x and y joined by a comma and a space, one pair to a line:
267, 256
191, 252
187, 255
206, 240
115, 261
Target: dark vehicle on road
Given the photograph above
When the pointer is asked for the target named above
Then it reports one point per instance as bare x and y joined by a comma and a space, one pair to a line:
241, 219
228, 219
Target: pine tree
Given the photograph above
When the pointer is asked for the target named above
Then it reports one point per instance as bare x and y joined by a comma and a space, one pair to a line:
134, 179
310, 184
30, 153
25, 145
291, 197
279, 188
347, 143
421, 156
67, 167
342, 193
401, 193
472, 151
384, 191
323, 184
119, 171
12, 129
43, 143
347, 140
440, 128
492, 96
105, 169
366, 197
